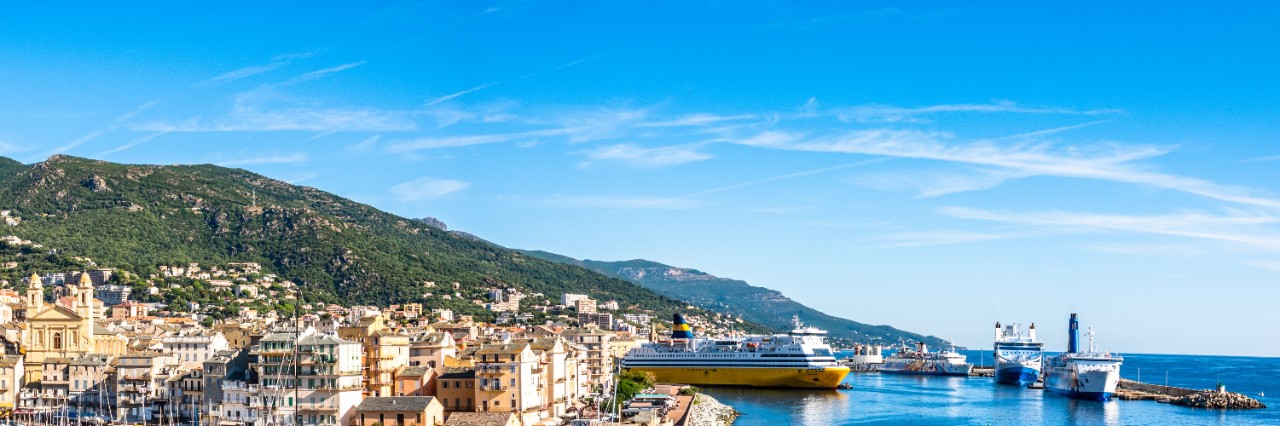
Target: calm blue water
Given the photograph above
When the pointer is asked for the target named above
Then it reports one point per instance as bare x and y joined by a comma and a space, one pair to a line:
894, 399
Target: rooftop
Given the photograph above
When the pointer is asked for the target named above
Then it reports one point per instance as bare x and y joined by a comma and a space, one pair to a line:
395, 403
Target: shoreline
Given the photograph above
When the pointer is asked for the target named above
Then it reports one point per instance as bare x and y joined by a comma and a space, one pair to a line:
708, 411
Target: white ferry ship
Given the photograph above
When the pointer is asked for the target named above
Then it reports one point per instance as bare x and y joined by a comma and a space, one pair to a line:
922, 362
1089, 375
1018, 355
799, 359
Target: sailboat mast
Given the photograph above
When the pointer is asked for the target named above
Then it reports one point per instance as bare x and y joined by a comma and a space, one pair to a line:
297, 329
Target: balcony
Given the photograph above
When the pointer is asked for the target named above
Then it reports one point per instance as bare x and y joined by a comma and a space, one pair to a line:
492, 369
494, 388
317, 408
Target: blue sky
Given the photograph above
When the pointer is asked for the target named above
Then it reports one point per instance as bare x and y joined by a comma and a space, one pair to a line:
933, 166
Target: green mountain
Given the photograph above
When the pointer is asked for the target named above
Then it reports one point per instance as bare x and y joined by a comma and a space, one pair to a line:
766, 307
138, 217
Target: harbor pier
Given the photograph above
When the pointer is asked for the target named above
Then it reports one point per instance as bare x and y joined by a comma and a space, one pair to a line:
1220, 398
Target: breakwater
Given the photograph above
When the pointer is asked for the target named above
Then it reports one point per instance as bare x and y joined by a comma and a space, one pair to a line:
707, 411
1134, 390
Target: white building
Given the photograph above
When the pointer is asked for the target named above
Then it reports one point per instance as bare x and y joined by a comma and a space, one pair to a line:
328, 385
570, 299
193, 350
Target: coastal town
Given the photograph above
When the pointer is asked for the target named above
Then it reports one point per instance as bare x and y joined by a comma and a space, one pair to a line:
78, 349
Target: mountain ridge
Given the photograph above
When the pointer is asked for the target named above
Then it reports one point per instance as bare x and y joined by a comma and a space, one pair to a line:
137, 217
761, 305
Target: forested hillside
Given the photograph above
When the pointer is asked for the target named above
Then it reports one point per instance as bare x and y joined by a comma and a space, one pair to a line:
137, 217
760, 305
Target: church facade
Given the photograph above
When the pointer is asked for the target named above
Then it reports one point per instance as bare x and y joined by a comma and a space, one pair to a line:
66, 328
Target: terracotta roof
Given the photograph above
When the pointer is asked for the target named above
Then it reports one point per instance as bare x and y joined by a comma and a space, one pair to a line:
415, 371
472, 418
457, 373
415, 404
507, 349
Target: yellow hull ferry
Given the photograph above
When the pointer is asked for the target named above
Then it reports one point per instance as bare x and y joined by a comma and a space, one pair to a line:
799, 359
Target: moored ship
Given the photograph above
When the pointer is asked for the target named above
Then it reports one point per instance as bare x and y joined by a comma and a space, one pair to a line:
864, 358
1018, 355
1091, 375
922, 362
798, 359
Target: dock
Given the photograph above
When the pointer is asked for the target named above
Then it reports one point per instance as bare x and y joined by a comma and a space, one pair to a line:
1131, 390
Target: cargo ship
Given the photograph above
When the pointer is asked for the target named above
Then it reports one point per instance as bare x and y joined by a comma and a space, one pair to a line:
1091, 375
922, 362
798, 359
1018, 355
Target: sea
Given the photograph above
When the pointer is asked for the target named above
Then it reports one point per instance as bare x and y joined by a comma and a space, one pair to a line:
909, 400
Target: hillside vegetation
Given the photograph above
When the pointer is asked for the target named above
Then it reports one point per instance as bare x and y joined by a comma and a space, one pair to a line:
760, 305
137, 217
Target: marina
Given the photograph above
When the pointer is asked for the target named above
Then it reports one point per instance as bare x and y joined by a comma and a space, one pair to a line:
887, 398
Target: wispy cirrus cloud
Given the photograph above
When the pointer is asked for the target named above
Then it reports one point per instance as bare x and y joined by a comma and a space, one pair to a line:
934, 183
424, 188
277, 62
457, 94
1110, 162
777, 178
273, 158
1245, 228
437, 142
697, 120
250, 119
1263, 159
942, 238
131, 144
321, 73
646, 157
578, 61
613, 202
81, 140
134, 113
894, 114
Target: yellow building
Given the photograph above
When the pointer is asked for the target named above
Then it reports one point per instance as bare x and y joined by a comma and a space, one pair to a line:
64, 330
385, 353
509, 380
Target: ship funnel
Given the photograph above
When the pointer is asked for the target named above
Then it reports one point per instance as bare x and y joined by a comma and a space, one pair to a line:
679, 328
998, 333
1032, 332
1073, 335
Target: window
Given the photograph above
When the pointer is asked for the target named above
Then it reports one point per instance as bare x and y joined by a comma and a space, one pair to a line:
57, 340
446, 385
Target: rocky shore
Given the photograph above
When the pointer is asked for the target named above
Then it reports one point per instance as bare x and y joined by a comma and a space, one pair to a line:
707, 411
1132, 390
1213, 399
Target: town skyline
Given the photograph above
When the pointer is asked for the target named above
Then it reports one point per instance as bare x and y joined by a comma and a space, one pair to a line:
867, 161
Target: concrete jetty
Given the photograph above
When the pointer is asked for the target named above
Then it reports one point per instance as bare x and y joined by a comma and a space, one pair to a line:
1220, 398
